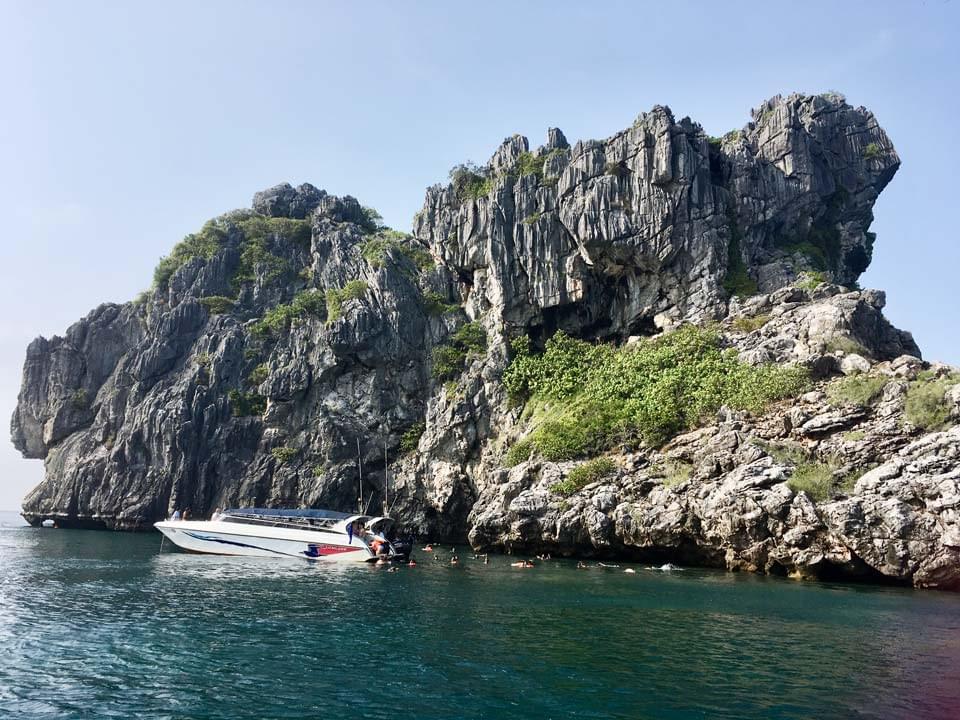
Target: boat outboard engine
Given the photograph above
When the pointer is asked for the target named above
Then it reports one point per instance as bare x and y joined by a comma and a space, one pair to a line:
400, 549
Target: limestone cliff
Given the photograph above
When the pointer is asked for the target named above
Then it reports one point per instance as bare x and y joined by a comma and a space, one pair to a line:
277, 339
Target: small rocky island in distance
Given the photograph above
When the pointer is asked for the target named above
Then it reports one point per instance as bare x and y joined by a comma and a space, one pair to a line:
650, 347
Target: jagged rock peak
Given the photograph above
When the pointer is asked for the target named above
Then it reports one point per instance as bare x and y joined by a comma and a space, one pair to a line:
284, 200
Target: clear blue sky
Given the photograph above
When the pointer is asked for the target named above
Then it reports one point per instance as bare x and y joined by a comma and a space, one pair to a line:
125, 125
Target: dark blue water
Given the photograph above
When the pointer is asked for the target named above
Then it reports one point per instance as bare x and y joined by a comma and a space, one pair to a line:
101, 625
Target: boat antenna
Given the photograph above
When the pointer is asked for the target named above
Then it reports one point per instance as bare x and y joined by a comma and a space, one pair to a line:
386, 480
360, 471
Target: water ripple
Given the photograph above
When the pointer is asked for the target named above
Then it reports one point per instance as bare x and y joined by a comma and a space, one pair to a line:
101, 625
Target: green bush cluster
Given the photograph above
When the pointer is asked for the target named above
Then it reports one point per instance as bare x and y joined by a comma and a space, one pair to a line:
749, 324
813, 478
80, 399
586, 397
584, 474
283, 454
871, 151
436, 304
469, 182
260, 235
529, 164
247, 404
256, 228
448, 359
675, 472
277, 320
811, 280
861, 390
335, 298
257, 234
411, 438
821, 244
203, 244
925, 406
258, 374
376, 250
217, 304
370, 220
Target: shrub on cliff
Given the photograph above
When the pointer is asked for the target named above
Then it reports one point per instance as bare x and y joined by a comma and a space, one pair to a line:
203, 244
449, 359
278, 319
258, 234
584, 474
583, 398
411, 438
861, 390
925, 406
469, 183
376, 250
217, 304
335, 298
246, 404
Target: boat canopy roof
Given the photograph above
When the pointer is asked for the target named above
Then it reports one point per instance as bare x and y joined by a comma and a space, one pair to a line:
301, 516
291, 513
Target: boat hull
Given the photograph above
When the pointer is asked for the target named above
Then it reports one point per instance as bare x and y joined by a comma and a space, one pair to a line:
226, 538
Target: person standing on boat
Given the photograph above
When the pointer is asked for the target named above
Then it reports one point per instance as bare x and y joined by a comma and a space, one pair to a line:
176, 515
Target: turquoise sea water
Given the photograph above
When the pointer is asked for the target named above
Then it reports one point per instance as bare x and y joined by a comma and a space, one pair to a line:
102, 625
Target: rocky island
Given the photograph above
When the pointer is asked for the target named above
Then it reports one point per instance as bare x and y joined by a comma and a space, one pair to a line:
649, 347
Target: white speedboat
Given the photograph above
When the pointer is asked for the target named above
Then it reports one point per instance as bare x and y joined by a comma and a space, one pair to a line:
312, 534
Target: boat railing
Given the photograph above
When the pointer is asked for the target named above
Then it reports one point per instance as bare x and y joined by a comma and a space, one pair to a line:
288, 522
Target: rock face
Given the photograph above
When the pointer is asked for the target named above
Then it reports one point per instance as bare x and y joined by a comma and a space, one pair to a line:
278, 344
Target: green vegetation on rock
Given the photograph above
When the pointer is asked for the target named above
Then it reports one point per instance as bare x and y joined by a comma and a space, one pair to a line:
530, 164
283, 455
217, 304
79, 399
862, 390
258, 374
584, 474
258, 235
278, 319
247, 404
584, 398
436, 304
675, 472
261, 235
469, 183
811, 280
821, 243
377, 249
815, 479
871, 151
411, 438
749, 324
203, 244
925, 406
449, 358
335, 298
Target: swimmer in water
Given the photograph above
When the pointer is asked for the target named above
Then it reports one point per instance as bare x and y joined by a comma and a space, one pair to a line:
454, 560
581, 565
412, 563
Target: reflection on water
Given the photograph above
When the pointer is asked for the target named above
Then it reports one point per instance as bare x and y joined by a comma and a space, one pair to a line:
103, 625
